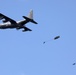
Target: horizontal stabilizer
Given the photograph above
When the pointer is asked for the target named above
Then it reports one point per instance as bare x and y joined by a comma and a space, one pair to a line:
30, 17
31, 20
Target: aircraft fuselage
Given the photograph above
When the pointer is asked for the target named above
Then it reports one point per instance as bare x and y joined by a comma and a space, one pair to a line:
7, 25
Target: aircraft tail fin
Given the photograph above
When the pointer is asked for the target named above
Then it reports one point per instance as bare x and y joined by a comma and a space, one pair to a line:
30, 17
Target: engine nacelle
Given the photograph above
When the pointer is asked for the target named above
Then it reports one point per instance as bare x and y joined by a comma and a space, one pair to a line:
18, 28
4, 21
24, 30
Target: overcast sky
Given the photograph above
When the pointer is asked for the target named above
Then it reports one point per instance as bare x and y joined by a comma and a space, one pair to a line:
23, 53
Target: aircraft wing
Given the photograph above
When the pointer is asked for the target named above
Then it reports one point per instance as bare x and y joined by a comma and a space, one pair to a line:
7, 19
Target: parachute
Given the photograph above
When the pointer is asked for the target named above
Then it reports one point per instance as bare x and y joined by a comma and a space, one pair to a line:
74, 63
55, 38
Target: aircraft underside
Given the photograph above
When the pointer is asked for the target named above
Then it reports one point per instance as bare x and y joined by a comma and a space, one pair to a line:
17, 27
5, 27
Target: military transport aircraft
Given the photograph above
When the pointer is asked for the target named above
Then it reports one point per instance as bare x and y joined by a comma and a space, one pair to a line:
10, 23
